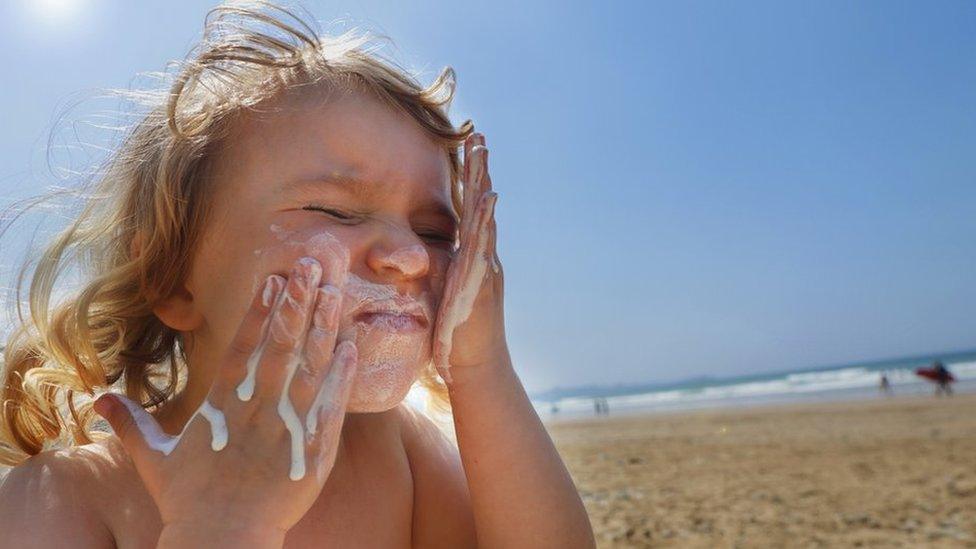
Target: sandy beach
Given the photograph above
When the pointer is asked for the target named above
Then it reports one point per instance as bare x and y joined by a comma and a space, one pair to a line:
899, 472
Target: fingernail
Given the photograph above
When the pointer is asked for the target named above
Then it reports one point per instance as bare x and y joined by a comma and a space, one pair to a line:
272, 286
310, 270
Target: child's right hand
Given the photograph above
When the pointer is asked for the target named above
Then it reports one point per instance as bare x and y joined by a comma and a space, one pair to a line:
200, 482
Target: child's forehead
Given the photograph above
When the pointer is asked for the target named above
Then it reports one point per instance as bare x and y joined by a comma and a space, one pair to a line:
356, 137
352, 132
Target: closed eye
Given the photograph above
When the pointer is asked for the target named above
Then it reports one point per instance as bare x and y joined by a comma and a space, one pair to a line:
443, 237
329, 211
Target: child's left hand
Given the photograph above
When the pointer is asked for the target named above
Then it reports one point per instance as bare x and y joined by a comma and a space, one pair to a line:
470, 326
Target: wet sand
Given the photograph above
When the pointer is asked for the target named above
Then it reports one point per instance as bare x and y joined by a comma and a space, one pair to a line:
899, 472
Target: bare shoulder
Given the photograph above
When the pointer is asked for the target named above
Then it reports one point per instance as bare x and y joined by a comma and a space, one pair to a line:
417, 428
55, 498
442, 515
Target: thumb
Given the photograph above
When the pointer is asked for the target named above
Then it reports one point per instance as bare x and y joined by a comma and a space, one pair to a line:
139, 432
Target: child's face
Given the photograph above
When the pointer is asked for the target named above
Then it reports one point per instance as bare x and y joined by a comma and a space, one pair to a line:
396, 224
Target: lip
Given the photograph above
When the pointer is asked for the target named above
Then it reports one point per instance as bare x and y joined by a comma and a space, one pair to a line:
400, 315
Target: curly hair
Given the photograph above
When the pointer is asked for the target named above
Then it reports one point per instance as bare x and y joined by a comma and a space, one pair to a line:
63, 355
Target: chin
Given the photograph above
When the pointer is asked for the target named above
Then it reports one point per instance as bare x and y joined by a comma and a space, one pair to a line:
380, 387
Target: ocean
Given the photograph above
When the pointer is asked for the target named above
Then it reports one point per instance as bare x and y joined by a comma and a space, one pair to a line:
849, 382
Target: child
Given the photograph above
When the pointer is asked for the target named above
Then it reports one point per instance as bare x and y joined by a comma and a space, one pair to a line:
292, 227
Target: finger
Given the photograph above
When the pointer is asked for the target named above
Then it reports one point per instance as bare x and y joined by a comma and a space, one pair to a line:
477, 138
485, 174
324, 421
478, 247
472, 161
335, 266
469, 143
473, 191
445, 372
475, 261
456, 301
491, 252
142, 437
442, 348
253, 328
466, 167
333, 393
278, 354
482, 184
447, 317
487, 248
319, 346
442, 326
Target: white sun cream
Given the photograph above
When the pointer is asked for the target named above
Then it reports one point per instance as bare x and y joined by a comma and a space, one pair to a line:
324, 408
389, 357
276, 326
288, 414
245, 390
279, 328
464, 299
411, 261
161, 442
390, 349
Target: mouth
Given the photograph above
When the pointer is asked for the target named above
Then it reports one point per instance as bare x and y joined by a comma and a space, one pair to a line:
393, 315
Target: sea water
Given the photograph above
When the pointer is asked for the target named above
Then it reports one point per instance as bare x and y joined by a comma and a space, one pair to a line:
848, 382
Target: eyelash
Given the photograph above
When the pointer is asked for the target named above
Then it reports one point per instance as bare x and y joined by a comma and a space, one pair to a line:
345, 218
329, 211
439, 237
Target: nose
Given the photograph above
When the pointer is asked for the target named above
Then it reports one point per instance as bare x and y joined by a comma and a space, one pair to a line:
403, 259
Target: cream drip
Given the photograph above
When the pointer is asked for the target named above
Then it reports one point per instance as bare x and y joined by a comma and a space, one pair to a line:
158, 440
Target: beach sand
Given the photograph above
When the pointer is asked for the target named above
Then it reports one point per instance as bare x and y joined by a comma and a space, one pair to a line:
899, 472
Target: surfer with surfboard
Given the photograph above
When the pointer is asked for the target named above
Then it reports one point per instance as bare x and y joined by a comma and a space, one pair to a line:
940, 375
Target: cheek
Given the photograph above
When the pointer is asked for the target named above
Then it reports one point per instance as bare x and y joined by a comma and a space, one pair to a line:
285, 244
233, 266
222, 284
440, 260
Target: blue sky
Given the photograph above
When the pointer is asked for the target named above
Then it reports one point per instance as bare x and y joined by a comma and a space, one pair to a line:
686, 188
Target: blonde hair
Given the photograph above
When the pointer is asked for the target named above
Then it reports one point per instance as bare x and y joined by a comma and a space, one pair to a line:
153, 186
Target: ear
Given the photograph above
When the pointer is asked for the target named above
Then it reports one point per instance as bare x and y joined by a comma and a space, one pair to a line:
177, 311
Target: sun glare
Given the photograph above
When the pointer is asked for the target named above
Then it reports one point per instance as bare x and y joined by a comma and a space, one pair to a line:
55, 11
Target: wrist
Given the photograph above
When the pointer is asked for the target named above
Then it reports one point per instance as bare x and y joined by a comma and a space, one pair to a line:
220, 535
478, 374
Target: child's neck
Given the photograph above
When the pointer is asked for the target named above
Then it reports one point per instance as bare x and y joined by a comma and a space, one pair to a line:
201, 368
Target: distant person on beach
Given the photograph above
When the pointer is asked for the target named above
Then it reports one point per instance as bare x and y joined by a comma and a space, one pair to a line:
283, 243
943, 379
885, 385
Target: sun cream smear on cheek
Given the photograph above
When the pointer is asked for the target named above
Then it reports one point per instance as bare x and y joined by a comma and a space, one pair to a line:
391, 332
286, 409
392, 345
393, 342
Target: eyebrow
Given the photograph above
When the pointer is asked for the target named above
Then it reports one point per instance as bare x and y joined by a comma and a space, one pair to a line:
350, 183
